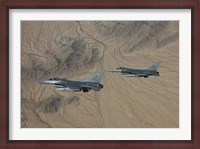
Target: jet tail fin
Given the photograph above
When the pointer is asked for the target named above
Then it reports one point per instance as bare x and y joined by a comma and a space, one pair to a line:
96, 77
155, 65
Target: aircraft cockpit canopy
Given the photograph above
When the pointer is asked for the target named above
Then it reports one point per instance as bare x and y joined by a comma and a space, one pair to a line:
120, 68
55, 79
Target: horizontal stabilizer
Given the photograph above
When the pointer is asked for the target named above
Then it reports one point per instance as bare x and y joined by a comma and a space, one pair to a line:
133, 75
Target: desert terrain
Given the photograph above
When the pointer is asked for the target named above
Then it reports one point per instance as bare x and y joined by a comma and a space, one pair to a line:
77, 49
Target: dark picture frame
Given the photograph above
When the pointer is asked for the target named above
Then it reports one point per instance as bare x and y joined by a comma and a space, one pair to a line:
103, 4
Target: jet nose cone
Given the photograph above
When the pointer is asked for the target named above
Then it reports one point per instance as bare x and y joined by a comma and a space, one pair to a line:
109, 70
114, 70
41, 82
45, 82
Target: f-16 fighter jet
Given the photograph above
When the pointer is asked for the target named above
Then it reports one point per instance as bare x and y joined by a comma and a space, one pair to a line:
127, 72
85, 85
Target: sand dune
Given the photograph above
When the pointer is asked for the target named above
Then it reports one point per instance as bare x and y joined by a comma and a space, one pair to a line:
76, 50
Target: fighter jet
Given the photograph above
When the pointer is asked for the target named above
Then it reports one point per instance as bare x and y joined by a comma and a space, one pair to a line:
85, 85
127, 72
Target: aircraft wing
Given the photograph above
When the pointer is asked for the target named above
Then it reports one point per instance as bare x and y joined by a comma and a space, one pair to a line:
136, 75
59, 86
67, 89
62, 87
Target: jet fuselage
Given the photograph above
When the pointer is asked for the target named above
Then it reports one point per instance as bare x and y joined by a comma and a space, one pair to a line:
68, 85
127, 72
140, 72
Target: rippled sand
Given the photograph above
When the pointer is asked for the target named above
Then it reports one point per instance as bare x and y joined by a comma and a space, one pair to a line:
76, 50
